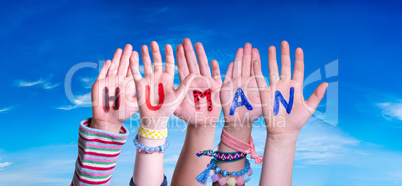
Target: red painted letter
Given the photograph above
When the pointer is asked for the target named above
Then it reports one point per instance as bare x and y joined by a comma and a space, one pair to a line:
161, 97
206, 94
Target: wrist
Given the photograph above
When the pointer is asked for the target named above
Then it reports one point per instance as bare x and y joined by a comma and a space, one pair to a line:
282, 139
239, 131
150, 142
154, 123
202, 129
105, 125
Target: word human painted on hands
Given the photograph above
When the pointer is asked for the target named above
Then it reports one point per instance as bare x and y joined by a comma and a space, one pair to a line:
161, 97
236, 103
279, 97
207, 94
115, 99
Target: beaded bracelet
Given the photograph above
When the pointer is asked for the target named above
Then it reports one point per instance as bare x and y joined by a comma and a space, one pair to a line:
150, 150
223, 157
213, 171
152, 134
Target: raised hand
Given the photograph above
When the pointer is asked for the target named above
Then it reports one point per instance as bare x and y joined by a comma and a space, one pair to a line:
202, 104
113, 93
240, 100
200, 109
285, 110
285, 113
157, 97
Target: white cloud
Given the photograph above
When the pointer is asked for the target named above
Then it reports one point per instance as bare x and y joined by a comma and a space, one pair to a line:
321, 144
49, 85
391, 110
44, 82
88, 82
318, 143
5, 164
29, 84
82, 100
68, 107
8, 108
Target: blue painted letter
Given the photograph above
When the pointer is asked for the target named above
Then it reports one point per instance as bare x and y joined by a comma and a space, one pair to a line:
279, 97
236, 104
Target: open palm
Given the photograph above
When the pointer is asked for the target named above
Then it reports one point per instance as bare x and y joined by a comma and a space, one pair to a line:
157, 97
289, 119
195, 108
240, 75
113, 93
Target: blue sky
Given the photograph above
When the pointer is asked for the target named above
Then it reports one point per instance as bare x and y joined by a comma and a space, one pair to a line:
42, 41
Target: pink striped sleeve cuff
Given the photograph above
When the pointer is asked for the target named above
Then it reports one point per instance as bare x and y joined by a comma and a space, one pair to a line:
98, 152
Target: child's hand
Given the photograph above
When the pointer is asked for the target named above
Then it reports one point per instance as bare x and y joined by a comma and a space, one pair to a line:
110, 108
202, 105
289, 120
157, 97
239, 78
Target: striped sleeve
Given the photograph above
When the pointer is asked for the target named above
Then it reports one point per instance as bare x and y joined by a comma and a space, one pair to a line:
98, 152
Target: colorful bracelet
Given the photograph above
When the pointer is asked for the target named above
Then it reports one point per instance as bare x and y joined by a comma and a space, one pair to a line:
223, 157
150, 150
213, 171
241, 146
152, 134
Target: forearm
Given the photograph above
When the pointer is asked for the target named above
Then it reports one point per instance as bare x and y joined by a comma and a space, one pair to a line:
189, 165
242, 133
98, 151
278, 159
148, 168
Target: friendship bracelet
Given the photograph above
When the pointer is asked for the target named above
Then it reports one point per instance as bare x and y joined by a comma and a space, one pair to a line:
213, 171
150, 150
238, 145
152, 134
223, 157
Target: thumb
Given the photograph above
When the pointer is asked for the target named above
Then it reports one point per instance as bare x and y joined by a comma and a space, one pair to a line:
316, 97
183, 87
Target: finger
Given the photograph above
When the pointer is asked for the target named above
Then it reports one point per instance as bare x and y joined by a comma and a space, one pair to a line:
229, 73
298, 73
255, 55
124, 62
169, 65
285, 61
273, 66
237, 64
258, 74
181, 62
246, 66
183, 88
317, 96
135, 66
190, 57
216, 73
129, 74
115, 62
202, 60
105, 68
261, 83
156, 55
146, 60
